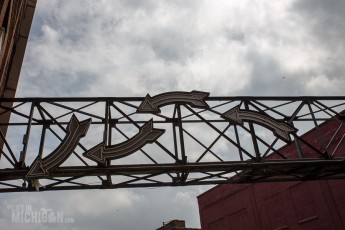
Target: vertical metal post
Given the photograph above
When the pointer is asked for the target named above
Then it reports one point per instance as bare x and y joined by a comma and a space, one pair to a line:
183, 153
174, 124
106, 140
43, 136
110, 126
26, 137
106, 123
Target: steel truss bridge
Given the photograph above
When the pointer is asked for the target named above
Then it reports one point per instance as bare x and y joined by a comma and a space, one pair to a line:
170, 139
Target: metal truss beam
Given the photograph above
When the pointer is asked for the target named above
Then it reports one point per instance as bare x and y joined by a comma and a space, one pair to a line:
170, 139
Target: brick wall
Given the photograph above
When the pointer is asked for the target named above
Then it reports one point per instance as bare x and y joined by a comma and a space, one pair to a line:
15, 23
281, 205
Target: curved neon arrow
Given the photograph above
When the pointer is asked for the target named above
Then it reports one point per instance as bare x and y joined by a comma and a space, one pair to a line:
152, 104
280, 129
147, 134
75, 131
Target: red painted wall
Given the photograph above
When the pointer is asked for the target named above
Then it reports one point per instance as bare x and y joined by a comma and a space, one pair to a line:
280, 205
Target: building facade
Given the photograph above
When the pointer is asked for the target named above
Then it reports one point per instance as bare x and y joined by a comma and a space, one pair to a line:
176, 225
318, 204
15, 22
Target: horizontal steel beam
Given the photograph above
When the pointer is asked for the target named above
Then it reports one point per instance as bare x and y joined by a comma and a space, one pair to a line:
284, 166
134, 99
201, 140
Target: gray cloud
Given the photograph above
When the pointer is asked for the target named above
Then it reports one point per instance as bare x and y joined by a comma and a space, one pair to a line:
269, 79
325, 24
107, 209
131, 48
326, 20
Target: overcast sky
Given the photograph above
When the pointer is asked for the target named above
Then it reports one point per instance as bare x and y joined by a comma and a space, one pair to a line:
131, 48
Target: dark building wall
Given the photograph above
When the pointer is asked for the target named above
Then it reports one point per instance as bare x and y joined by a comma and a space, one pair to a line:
281, 205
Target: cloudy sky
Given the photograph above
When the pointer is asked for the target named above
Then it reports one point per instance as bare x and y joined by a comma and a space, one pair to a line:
131, 48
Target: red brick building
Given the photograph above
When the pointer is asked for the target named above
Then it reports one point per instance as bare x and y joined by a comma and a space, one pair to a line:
176, 225
15, 23
310, 205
